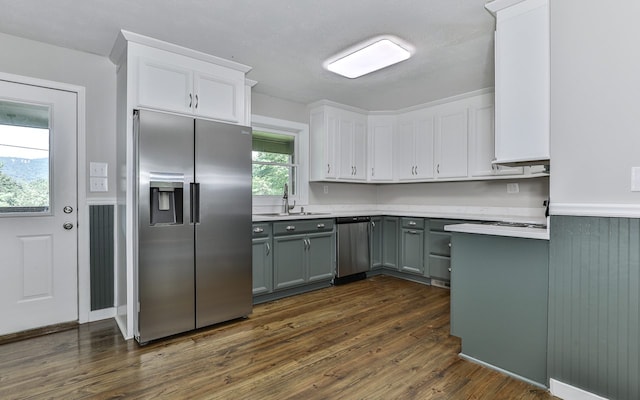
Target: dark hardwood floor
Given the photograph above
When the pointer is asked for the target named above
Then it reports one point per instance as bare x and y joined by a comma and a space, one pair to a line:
382, 338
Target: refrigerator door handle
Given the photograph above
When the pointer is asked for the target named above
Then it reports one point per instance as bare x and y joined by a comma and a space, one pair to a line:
195, 202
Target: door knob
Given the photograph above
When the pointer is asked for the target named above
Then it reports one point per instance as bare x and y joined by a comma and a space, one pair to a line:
67, 209
67, 225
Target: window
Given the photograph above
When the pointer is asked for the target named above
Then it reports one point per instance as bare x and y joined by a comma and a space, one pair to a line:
273, 158
280, 153
24, 158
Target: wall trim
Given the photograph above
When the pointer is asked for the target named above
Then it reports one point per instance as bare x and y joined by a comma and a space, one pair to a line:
568, 392
596, 210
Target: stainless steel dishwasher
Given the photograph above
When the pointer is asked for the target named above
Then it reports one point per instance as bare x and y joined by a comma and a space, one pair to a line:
353, 249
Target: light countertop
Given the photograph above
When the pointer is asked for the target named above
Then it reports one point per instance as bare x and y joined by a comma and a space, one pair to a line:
497, 230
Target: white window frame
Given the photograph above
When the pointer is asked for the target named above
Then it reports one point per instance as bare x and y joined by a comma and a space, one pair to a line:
301, 132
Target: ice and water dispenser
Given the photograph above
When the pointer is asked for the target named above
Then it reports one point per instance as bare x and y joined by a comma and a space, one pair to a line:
166, 194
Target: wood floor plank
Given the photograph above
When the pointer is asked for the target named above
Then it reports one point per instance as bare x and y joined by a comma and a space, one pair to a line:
381, 338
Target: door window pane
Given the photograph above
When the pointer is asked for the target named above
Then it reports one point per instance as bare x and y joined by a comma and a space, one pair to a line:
24, 158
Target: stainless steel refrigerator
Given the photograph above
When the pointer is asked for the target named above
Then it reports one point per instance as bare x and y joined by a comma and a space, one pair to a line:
194, 223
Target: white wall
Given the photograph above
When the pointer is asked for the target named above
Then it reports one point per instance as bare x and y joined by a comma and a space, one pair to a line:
532, 193
273, 107
97, 74
595, 101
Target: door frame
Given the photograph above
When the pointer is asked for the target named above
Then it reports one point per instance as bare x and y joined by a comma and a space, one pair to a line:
83, 271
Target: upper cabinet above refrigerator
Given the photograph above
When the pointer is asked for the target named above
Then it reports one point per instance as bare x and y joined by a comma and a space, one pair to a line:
165, 77
521, 81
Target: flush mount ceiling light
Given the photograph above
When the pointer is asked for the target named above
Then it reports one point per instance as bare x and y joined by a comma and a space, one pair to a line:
372, 55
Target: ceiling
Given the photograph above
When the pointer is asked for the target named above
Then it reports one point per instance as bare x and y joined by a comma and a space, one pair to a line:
286, 41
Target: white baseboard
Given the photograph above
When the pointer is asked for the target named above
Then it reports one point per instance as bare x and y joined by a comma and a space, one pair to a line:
105, 313
568, 392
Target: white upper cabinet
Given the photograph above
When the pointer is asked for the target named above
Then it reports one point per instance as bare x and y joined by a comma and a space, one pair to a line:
452, 133
521, 80
481, 140
414, 155
167, 81
338, 144
352, 146
380, 148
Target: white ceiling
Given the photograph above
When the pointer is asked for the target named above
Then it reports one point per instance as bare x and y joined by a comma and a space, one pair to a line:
286, 41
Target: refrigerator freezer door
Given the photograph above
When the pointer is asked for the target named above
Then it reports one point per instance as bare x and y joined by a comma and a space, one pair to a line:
223, 236
165, 252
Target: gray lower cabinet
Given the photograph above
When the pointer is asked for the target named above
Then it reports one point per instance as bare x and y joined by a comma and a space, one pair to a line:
390, 229
376, 242
412, 246
499, 295
262, 259
438, 255
303, 252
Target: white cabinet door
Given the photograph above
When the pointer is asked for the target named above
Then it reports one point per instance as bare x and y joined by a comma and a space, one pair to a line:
380, 144
423, 147
359, 153
451, 144
522, 82
218, 98
345, 149
323, 139
404, 167
482, 144
164, 86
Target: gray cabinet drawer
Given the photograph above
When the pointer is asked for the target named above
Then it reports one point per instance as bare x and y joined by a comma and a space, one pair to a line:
302, 226
439, 243
439, 267
259, 230
413, 223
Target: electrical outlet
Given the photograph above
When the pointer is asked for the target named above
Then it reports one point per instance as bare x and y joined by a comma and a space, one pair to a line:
98, 169
513, 188
635, 179
98, 184
325, 189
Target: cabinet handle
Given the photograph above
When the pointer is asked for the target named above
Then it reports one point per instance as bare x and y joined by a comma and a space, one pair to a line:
258, 230
308, 244
449, 244
328, 168
412, 223
196, 101
291, 227
320, 226
268, 248
438, 168
373, 224
355, 170
416, 170
413, 167
190, 100
373, 172
449, 269
413, 232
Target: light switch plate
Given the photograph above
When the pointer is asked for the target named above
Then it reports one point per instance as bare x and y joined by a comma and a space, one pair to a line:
513, 188
98, 169
98, 184
635, 179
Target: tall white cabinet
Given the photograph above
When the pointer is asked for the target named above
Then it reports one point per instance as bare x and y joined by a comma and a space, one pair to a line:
161, 76
521, 81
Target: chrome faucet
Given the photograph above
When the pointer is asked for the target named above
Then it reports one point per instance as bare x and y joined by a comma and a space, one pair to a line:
286, 208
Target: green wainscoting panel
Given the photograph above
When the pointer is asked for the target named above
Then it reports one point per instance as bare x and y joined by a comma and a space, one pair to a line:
594, 305
101, 256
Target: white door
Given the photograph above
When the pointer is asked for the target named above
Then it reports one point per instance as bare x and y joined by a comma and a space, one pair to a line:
38, 207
